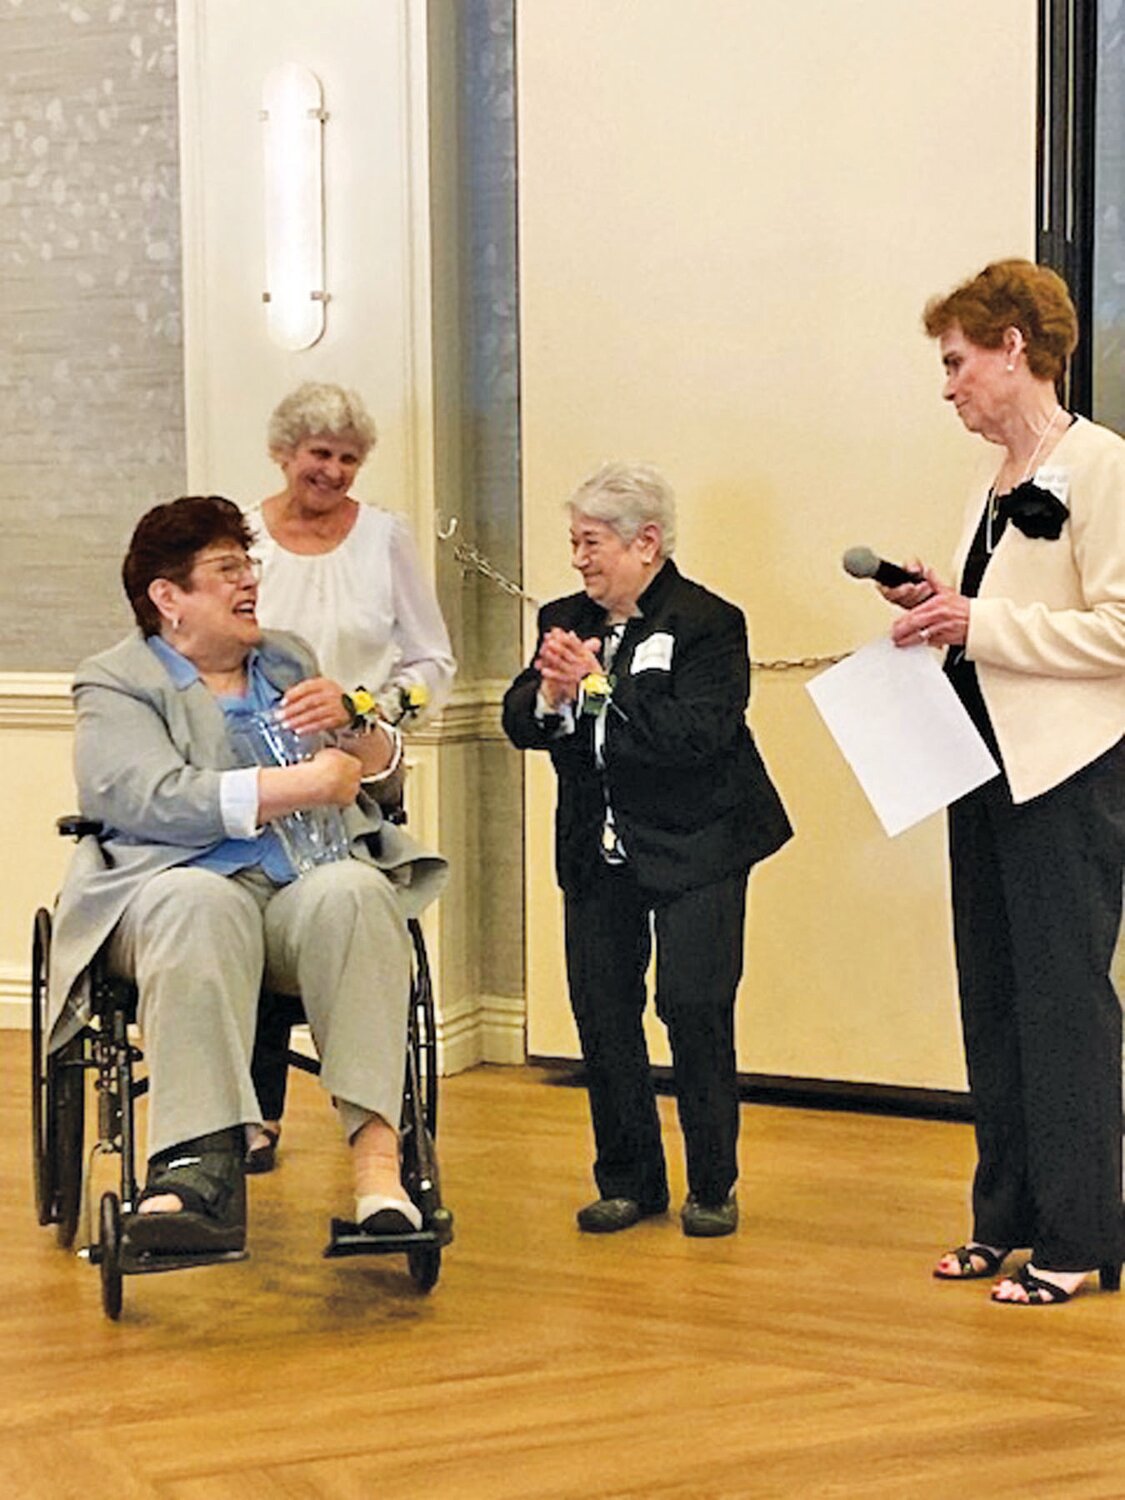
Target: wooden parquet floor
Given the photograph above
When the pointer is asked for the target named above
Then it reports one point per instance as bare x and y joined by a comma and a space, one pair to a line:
811, 1355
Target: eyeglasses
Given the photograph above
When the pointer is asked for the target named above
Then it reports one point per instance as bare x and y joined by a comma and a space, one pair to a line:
234, 569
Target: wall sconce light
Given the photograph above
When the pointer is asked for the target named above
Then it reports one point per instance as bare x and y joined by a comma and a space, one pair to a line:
293, 119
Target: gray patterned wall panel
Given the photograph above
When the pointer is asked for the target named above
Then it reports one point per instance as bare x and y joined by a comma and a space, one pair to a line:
476, 319
91, 378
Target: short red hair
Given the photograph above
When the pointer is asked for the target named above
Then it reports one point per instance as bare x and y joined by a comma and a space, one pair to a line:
1012, 294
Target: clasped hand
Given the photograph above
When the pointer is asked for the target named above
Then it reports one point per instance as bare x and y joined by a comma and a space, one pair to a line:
332, 776
564, 659
315, 706
936, 615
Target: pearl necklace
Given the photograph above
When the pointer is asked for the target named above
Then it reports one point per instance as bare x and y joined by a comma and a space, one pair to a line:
993, 498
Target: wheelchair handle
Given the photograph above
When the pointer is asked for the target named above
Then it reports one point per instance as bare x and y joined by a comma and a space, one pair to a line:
75, 826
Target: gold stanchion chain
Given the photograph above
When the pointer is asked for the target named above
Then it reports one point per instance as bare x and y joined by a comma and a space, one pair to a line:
470, 560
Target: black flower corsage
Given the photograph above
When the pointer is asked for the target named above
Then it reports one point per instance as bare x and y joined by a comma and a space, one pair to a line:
1034, 511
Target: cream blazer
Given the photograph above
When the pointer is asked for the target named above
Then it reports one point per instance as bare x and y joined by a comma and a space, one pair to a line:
1047, 632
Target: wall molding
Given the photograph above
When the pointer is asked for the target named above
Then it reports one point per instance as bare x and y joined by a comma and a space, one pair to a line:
41, 700
472, 714
36, 700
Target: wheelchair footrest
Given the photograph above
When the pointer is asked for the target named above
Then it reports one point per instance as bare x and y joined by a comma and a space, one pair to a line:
346, 1238
146, 1262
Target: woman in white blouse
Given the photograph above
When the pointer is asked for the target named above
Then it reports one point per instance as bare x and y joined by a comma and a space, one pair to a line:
346, 577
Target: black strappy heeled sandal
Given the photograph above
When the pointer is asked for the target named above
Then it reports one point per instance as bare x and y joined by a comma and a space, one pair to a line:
1041, 1293
993, 1260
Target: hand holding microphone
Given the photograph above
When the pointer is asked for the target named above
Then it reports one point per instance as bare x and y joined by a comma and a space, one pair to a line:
935, 614
861, 562
906, 587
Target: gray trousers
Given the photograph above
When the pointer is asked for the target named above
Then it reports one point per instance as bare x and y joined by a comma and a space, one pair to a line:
199, 946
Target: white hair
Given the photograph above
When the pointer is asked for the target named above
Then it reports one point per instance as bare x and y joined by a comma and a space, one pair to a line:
318, 410
626, 497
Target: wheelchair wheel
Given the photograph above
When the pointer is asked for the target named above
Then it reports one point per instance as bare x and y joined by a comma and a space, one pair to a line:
40, 1156
66, 1101
109, 1254
425, 1267
58, 1094
424, 1030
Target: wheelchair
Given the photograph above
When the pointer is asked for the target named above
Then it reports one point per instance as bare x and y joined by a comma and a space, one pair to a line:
105, 1050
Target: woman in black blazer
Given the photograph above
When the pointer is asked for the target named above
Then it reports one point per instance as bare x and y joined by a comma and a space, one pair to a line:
638, 690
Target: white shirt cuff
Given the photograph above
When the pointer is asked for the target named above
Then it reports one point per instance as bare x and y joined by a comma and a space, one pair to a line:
238, 802
564, 713
394, 734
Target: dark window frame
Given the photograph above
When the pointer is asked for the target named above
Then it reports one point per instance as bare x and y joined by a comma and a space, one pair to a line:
1067, 102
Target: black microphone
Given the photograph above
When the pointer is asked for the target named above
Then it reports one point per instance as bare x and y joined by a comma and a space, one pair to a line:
861, 562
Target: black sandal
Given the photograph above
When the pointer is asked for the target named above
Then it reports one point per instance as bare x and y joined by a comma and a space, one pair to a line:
1041, 1293
206, 1175
993, 1260
262, 1157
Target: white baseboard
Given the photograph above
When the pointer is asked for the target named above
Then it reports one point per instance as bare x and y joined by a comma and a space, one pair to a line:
503, 1020
15, 999
14, 1015
489, 1028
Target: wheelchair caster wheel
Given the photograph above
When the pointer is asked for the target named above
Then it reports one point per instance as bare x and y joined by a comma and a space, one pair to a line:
425, 1268
109, 1254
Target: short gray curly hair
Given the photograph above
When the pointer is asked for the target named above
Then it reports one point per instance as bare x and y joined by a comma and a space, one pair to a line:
319, 410
627, 497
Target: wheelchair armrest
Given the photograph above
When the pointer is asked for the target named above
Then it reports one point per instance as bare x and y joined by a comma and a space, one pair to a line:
75, 826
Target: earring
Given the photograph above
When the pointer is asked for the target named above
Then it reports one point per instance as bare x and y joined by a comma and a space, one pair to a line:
176, 622
1009, 367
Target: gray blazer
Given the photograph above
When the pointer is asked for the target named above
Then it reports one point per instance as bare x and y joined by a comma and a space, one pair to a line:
148, 759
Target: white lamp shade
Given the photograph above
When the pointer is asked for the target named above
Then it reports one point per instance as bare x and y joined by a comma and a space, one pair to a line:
293, 125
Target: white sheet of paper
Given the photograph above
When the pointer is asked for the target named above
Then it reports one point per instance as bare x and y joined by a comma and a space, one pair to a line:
903, 730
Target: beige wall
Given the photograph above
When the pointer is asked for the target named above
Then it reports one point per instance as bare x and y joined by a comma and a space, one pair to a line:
731, 215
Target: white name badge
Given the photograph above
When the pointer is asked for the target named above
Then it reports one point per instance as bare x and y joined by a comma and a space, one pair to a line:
653, 654
1055, 480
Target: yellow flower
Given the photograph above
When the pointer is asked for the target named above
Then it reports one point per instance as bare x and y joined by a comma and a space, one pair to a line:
595, 689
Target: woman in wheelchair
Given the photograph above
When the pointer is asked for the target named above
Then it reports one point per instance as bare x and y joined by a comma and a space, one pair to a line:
193, 897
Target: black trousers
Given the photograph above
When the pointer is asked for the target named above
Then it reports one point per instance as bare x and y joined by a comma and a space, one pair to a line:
609, 931
1036, 907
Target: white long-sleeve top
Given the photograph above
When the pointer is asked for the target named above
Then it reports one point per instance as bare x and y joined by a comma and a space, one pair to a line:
366, 607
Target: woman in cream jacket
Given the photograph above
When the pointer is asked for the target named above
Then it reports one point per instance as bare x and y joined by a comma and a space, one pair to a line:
1035, 631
